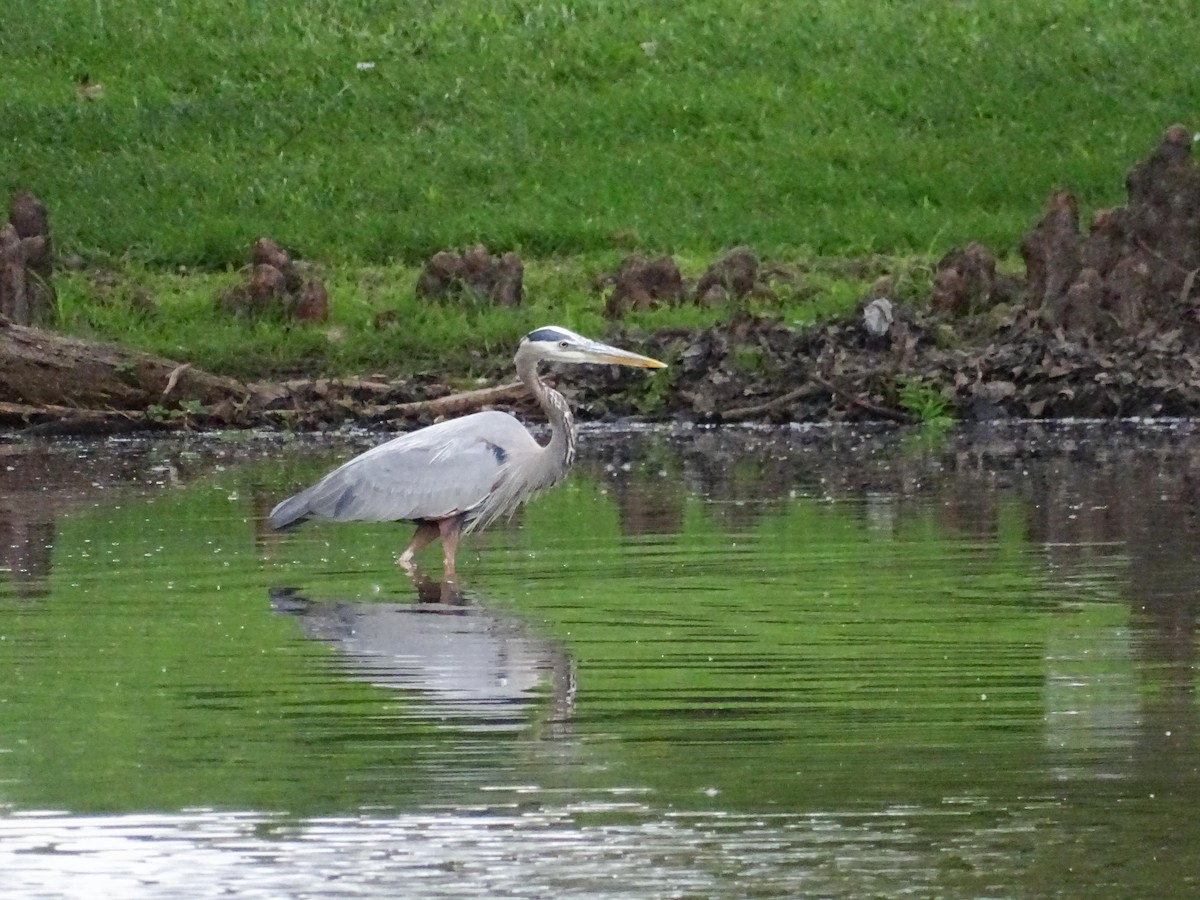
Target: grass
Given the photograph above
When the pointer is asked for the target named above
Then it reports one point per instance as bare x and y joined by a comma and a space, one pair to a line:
377, 325
368, 132
365, 134
926, 403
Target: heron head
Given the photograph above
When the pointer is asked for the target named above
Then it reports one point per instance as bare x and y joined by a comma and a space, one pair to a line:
554, 343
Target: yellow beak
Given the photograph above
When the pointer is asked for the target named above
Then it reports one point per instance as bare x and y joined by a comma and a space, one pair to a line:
603, 353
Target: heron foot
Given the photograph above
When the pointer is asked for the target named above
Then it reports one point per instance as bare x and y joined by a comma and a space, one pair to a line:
425, 533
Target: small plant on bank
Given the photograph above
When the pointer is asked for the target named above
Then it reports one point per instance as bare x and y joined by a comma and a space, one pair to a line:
655, 393
182, 416
925, 402
749, 359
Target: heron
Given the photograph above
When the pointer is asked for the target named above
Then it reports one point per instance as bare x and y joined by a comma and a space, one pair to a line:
460, 475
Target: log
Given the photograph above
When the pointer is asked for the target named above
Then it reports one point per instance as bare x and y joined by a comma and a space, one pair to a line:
42, 369
58, 384
742, 413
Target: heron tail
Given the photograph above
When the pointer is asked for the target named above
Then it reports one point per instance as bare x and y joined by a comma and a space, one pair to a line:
290, 512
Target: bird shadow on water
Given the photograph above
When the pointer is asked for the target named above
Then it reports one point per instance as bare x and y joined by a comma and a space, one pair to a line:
456, 660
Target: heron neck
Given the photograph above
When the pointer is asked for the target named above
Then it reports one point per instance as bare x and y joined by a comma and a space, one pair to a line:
561, 447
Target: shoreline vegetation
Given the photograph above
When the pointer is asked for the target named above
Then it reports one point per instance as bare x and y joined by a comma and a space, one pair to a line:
880, 167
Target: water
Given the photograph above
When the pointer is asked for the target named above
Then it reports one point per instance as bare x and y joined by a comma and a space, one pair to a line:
711, 664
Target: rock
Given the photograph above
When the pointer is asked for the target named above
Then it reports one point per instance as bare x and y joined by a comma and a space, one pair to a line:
266, 284
477, 269
28, 215
1134, 266
1051, 251
311, 304
1079, 311
36, 248
441, 272
508, 289
14, 299
878, 316
1107, 235
1129, 292
1164, 209
266, 252
713, 295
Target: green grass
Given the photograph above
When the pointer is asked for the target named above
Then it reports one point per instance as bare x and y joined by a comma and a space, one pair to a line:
559, 128
924, 401
377, 325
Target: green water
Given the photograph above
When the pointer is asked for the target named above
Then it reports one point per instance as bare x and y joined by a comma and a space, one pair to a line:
711, 664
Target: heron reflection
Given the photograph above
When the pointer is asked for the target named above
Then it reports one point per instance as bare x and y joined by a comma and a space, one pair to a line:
466, 665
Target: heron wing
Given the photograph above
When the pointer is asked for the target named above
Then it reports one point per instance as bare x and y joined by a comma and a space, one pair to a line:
433, 473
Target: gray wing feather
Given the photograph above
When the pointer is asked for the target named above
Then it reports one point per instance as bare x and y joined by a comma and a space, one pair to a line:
439, 471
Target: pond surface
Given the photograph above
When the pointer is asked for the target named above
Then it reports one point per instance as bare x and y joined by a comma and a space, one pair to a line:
712, 664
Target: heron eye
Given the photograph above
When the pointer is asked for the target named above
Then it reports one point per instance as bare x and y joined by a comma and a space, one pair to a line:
564, 344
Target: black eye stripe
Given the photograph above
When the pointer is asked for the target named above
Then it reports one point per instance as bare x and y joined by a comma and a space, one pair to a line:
546, 334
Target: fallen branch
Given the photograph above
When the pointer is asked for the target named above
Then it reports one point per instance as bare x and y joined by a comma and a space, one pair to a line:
451, 404
49, 419
741, 413
173, 378
1188, 282
884, 412
325, 385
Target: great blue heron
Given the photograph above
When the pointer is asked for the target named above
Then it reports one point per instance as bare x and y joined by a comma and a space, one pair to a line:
458, 476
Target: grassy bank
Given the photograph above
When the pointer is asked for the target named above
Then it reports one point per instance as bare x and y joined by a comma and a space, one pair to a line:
371, 132
378, 325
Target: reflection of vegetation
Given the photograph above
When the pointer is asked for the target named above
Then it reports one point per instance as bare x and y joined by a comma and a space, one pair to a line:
882, 677
808, 642
929, 436
163, 681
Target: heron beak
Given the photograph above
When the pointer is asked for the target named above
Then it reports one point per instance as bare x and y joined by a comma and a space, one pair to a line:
603, 353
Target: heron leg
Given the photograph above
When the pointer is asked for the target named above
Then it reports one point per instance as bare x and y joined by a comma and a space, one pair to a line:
426, 532
449, 529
